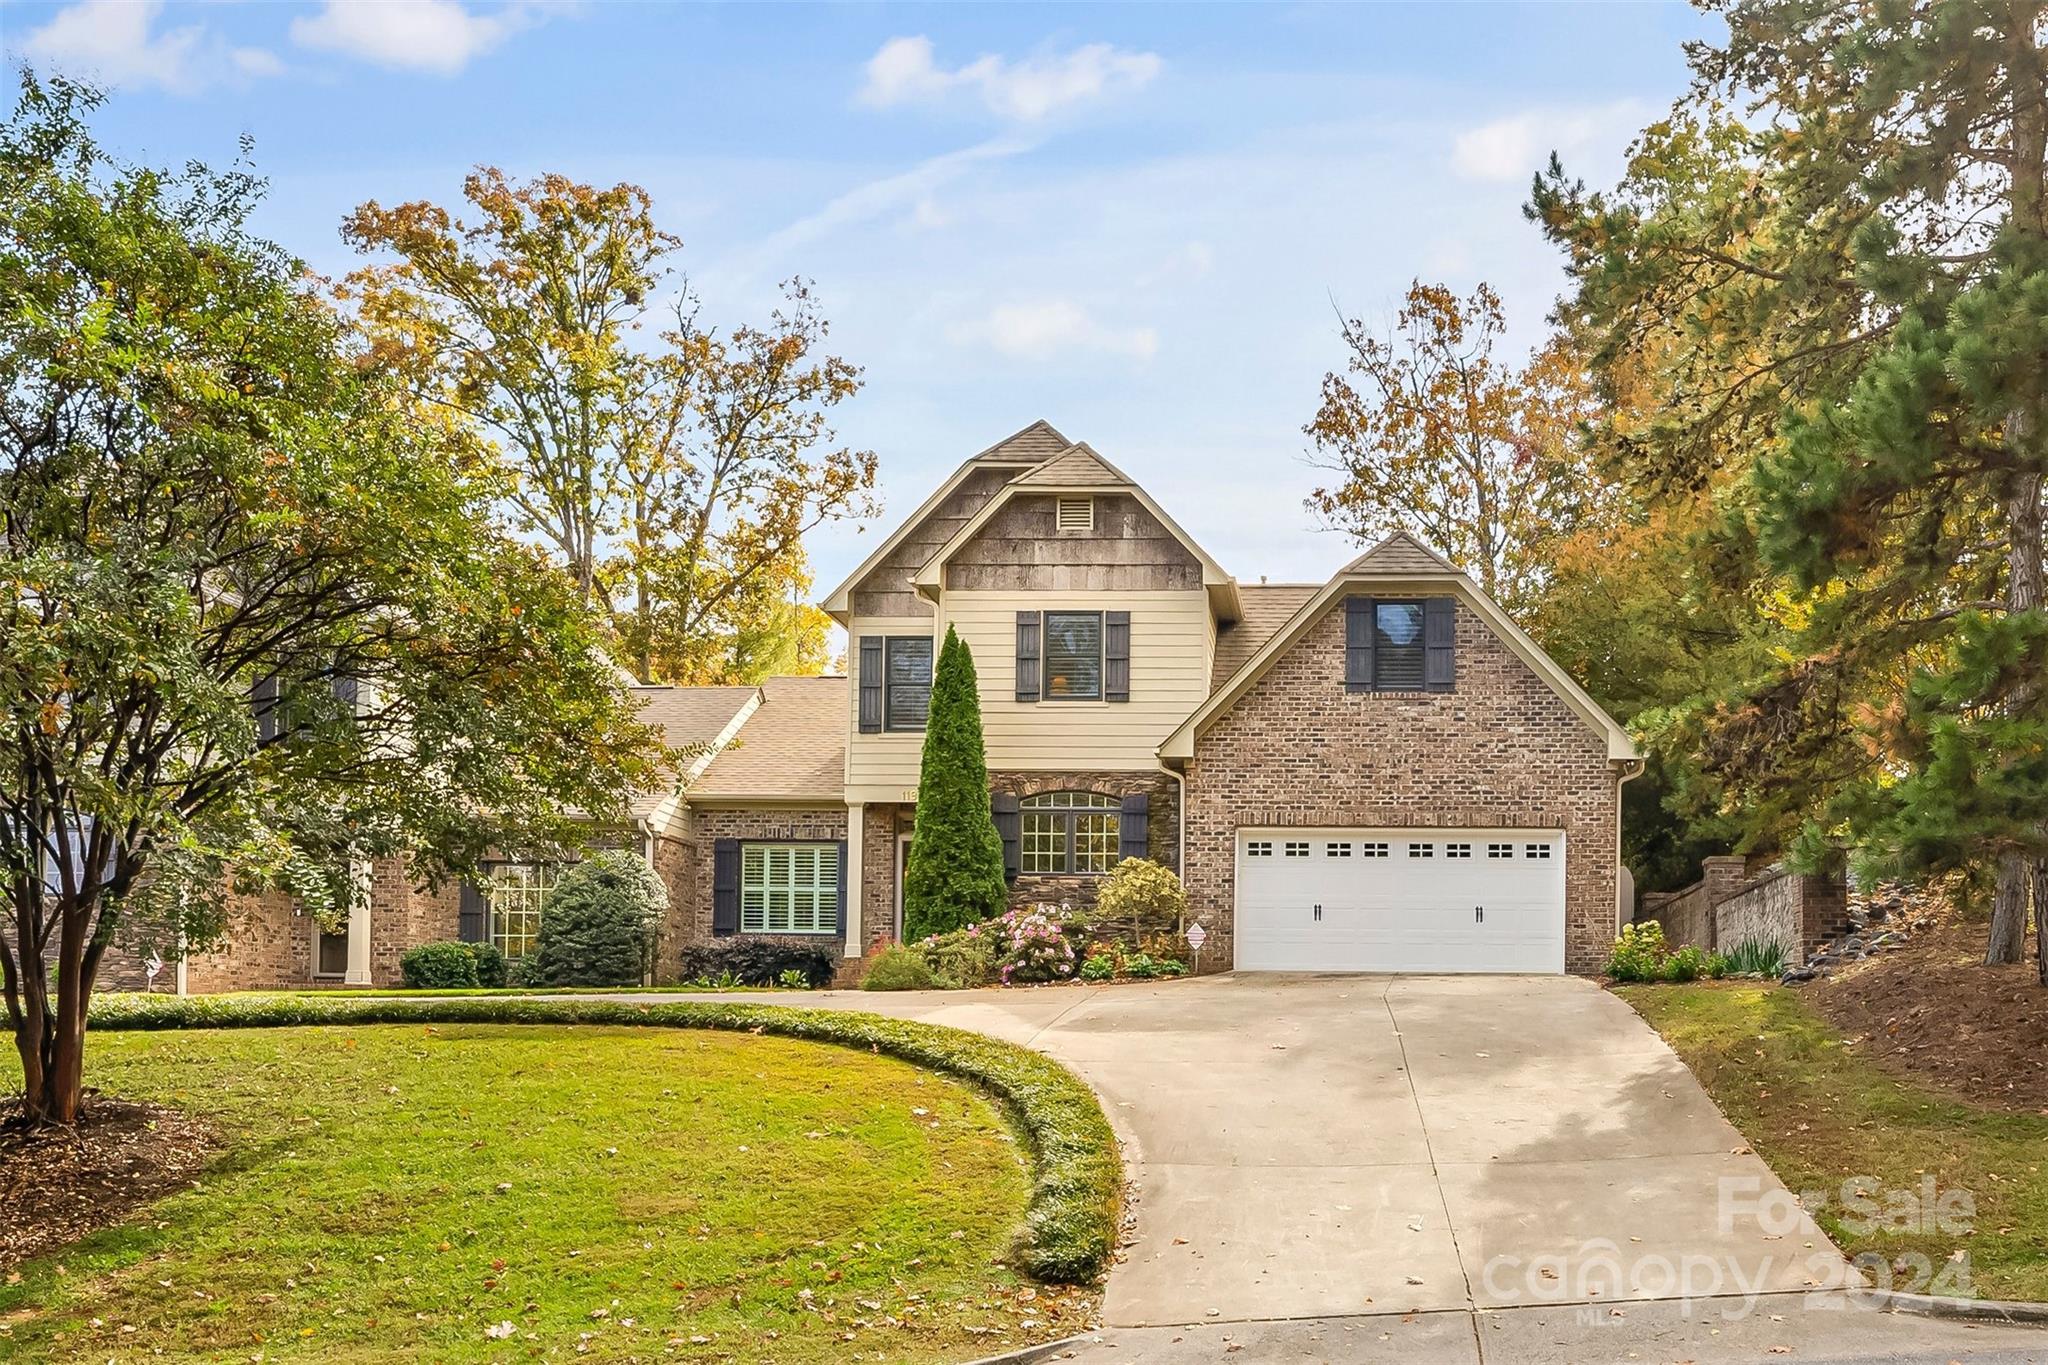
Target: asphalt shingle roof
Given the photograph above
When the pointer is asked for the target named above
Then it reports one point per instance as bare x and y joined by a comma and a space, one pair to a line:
792, 748
1266, 608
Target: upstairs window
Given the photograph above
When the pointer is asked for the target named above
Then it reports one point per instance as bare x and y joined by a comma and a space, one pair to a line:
1073, 656
907, 696
1397, 647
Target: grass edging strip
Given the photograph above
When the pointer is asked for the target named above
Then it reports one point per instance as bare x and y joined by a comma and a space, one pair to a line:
1069, 1227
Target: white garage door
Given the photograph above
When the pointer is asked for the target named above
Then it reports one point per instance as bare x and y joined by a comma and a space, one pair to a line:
1438, 900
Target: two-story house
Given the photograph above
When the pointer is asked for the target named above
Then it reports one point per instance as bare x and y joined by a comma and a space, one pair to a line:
1380, 772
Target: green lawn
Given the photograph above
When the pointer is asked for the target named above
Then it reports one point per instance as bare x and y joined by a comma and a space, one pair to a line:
399, 1190
1820, 1114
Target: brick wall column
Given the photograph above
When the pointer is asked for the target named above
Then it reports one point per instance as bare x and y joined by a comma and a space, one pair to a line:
856, 881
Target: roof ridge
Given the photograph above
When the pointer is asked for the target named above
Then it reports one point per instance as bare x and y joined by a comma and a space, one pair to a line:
1398, 537
1037, 427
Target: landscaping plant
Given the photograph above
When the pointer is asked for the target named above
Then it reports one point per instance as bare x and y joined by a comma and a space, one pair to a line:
1032, 946
963, 959
598, 925
1758, 957
954, 873
758, 962
439, 966
1639, 953
1139, 897
898, 968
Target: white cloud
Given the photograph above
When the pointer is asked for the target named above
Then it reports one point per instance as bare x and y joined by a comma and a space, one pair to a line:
116, 42
1515, 147
441, 36
904, 71
1052, 327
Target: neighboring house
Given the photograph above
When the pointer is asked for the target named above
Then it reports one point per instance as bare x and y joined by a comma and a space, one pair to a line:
1376, 773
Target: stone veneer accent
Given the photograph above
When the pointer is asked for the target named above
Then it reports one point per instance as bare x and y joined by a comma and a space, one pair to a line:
1162, 835
882, 823
1501, 751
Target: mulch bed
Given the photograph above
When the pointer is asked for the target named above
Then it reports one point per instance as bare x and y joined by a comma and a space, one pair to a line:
57, 1185
1932, 1012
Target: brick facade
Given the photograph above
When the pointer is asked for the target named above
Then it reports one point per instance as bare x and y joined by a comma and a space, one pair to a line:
824, 824
1502, 750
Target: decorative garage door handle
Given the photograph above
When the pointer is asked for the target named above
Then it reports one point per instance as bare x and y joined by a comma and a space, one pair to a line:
1479, 914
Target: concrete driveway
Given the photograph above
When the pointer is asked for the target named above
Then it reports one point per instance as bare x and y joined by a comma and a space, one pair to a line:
1319, 1146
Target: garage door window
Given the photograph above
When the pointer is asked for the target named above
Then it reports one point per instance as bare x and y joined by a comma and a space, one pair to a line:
1069, 832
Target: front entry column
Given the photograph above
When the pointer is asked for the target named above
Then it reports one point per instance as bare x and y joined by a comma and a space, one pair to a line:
358, 973
856, 883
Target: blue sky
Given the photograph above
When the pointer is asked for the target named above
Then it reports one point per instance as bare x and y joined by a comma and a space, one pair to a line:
1129, 221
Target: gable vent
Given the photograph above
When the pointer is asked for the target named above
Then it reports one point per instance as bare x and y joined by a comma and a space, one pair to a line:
1077, 514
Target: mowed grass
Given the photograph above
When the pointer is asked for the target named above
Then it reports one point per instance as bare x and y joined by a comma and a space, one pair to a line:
1820, 1115
394, 1191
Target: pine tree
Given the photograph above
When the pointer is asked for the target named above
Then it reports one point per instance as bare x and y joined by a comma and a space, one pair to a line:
954, 876
1860, 292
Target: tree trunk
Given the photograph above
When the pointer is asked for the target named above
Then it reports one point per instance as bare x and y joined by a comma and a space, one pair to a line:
2009, 909
2023, 593
51, 1041
2041, 920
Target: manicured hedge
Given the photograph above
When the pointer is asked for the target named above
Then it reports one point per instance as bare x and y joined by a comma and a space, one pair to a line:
1070, 1227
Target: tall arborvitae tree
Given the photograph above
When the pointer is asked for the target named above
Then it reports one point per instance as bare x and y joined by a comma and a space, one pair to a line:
955, 872
1864, 283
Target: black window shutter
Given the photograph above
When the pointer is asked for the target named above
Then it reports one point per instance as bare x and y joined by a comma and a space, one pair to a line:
1439, 644
1116, 656
839, 921
1134, 836
1358, 626
725, 886
345, 691
1009, 824
263, 699
470, 925
1027, 656
870, 689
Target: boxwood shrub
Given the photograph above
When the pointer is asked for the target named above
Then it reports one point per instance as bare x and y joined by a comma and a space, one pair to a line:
1069, 1228
439, 966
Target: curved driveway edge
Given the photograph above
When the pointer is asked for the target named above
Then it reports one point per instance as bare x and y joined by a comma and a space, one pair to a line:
1317, 1146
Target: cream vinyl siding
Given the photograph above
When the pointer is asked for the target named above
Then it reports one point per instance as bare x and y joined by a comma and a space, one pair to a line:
883, 767
1172, 642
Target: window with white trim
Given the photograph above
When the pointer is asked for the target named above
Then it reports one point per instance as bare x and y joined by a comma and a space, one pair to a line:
789, 888
1069, 832
1537, 851
1259, 848
1500, 850
513, 896
1372, 850
1297, 849
1422, 850
1336, 850
1457, 850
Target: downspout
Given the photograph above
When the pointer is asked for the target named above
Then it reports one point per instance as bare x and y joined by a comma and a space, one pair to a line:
1630, 769
1180, 866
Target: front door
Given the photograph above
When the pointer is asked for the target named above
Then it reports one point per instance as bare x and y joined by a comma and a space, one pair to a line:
330, 953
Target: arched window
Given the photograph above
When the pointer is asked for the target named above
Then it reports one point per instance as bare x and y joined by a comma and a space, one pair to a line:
1068, 832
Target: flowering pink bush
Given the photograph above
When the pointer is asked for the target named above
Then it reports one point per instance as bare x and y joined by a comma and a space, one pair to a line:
1032, 945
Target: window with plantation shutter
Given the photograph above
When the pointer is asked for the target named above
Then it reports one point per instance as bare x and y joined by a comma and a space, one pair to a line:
789, 888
